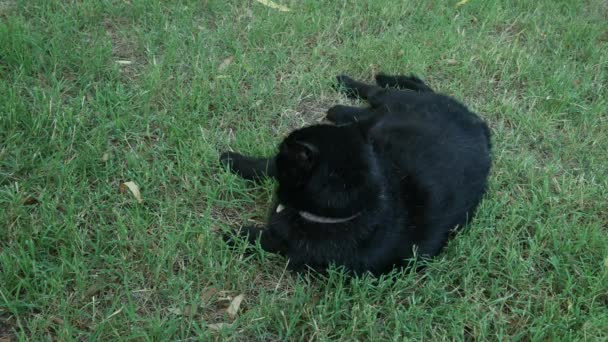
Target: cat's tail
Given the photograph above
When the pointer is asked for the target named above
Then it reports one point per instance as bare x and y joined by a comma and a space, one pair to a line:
410, 82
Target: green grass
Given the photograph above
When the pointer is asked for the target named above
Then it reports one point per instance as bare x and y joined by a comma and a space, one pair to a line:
80, 259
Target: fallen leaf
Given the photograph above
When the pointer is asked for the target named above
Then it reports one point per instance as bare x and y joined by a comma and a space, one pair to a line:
218, 326
225, 63
31, 201
208, 294
175, 311
461, 3
190, 310
451, 61
105, 157
93, 290
57, 320
5, 339
273, 5
133, 188
233, 308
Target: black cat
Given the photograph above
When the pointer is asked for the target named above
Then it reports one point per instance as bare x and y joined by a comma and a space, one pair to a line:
382, 185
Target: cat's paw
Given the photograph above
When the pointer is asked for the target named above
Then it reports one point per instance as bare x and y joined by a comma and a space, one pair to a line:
228, 159
231, 237
384, 80
346, 85
235, 237
410, 82
343, 82
336, 114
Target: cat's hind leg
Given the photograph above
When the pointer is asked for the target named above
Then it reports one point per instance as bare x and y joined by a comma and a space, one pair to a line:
356, 89
343, 115
403, 82
249, 168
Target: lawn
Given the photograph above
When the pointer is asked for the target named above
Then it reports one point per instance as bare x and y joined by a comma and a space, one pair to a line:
94, 94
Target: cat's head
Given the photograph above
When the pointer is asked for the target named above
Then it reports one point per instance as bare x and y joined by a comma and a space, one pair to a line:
327, 170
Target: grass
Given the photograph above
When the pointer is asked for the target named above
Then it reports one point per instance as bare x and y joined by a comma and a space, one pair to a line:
93, 94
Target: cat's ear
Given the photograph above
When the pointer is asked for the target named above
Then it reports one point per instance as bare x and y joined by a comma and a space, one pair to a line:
303, 154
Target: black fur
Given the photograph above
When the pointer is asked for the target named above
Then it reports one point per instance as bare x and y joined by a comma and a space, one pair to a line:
407, 171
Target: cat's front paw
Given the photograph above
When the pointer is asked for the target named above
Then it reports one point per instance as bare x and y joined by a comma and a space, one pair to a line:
231, 237
229, 159
234, 237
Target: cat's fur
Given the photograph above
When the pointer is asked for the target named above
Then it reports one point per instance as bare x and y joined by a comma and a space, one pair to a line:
382, 185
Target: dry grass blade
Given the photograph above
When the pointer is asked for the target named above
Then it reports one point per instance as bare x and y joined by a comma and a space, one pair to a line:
273, 5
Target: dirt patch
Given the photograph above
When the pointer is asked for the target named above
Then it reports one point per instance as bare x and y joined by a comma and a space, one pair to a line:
125, 51
6, 8
310, 111
233, 217
6, 329
510, 31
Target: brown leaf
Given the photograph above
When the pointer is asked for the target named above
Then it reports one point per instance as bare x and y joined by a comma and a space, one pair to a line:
218, 326
233, 308
225, 63
57, 320
190, 310
93, 290
31, 201
133, 188
208, 294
